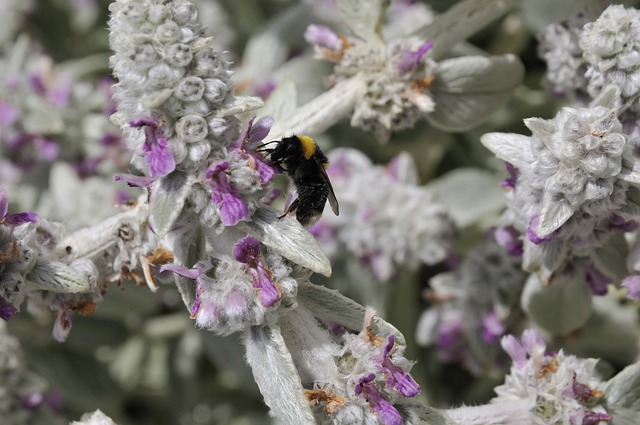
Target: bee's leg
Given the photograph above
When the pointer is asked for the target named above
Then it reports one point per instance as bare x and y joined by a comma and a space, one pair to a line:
294, 205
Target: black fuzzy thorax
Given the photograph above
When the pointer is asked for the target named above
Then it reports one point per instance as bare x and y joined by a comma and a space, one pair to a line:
307, 176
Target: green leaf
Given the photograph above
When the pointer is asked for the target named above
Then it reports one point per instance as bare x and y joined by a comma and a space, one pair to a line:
467, 90
510, 147
168, 195
424, 415
632, 206
281, 102
609, 97
561, 308
611, 259
288, 238
363, 17
330, 304
470, 194
555, 212
57, 277
189, 246
277, 376
623, 395
461, 21
323, 111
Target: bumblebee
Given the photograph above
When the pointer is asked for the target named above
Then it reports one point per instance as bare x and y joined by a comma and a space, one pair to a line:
304, 162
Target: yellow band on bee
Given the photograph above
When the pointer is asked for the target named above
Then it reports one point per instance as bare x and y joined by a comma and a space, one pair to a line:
308, 146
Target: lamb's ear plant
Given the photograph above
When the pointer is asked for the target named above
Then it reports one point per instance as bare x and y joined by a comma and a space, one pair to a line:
247, 274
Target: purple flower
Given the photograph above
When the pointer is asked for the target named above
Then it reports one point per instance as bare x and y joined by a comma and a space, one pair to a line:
581, 392
597, 281
247, 251
449, 341
492, 328
8, 114
236, 304
109, 139
323, 36
617, 222
518, 349
509, 238
593, 418
59, 96
45, 148
411, 59
32, 401
196, 273
134, 181
510, 182
7, 311
37, 84
250, 136
13, 219
263, 89
156, 147
387, 414
231, 206
533, 235
632, 283
394, 376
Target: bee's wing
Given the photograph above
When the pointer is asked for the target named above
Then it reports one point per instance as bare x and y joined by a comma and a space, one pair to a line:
332, 196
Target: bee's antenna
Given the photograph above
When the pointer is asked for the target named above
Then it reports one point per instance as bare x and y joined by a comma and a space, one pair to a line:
261, 148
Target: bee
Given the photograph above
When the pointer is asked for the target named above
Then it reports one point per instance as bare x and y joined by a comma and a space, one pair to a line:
305, 164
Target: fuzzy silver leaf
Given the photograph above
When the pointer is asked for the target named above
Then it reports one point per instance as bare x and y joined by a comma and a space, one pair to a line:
168, 195
363, 17
287, 237
467, 90
560, 308
277, 376
58, 277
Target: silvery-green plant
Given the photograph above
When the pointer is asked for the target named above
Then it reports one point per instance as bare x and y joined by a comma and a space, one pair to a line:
393, 224
472, 307
573, 186
205, 219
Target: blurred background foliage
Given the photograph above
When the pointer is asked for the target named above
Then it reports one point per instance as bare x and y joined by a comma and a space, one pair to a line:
139, 358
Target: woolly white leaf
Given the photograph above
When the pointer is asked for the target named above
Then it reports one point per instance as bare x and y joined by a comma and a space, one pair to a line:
555, 212
555, 252
468, 89
623, 395
363, 17
288, 238
632, 206
630, 170
322, 112
609, 97
561, 308
329, 304
281, 102
168, 195
94, 418
425, 415
276, 375
240, 105
542, 129
55, 276
462, 20
311, 347
508, 147
469, 194
188, 245
611, 258
512, 412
